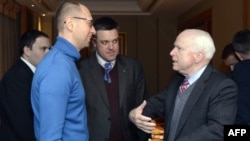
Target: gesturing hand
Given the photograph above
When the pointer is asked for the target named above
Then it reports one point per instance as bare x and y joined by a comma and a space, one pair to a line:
142, 122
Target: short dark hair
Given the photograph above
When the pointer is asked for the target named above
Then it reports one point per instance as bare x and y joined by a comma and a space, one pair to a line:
28, 39
227, 51
241, 41
105, 23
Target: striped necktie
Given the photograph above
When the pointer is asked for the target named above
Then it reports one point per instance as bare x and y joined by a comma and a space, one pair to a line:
184, 85
108, 68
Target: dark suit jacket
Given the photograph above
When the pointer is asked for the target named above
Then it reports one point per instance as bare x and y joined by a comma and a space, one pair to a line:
132, 91
241, 75
15, 106
211, 104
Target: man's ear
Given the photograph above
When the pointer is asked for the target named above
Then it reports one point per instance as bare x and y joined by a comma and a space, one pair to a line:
199, 57
26, 51
93, 41
239, 55
69, 24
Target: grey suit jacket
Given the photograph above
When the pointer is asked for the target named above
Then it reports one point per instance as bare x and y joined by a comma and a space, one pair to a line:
132, 91
211, 104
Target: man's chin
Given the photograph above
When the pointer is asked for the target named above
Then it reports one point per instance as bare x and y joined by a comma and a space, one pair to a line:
174, 68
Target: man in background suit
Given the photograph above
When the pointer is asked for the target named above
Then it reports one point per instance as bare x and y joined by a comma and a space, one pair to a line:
16, 112
109, 101
229, 58
197, 110
241, 75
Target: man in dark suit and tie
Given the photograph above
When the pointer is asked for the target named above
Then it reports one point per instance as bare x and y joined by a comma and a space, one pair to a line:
241, 75
114, 85
198, 112
15, 105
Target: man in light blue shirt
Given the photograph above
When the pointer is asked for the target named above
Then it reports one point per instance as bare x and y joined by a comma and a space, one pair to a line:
57, 93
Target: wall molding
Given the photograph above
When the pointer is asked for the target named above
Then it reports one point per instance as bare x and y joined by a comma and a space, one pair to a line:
201, 21
9, 8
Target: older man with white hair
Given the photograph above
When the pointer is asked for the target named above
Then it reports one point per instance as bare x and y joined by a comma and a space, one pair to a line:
198, 101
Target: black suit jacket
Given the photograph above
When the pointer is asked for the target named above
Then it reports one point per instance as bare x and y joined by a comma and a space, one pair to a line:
211, 104
241, 75
132, 91
15, 105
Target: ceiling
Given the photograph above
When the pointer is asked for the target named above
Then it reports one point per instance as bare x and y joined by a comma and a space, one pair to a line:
117, 7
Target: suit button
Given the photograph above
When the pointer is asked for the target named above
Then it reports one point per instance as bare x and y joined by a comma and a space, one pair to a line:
106, 139
109, 119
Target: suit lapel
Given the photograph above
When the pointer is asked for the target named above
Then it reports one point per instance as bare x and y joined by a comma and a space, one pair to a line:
123, 75
96, 74
193, 98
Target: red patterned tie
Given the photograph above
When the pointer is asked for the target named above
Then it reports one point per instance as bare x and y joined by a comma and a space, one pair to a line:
184, 85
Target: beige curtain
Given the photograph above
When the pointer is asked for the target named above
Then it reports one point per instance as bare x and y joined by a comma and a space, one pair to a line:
8, 43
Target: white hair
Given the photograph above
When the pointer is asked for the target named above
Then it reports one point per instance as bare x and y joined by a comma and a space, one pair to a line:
202, 41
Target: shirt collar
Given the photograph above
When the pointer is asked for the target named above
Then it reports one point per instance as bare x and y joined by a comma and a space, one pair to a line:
67, 48
101, 61
32, 67
196, 75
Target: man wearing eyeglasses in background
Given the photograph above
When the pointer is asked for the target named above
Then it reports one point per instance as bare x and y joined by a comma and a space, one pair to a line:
15, 107
58, 96
111, 94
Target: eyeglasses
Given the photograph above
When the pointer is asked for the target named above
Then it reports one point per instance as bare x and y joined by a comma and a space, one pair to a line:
89, 21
